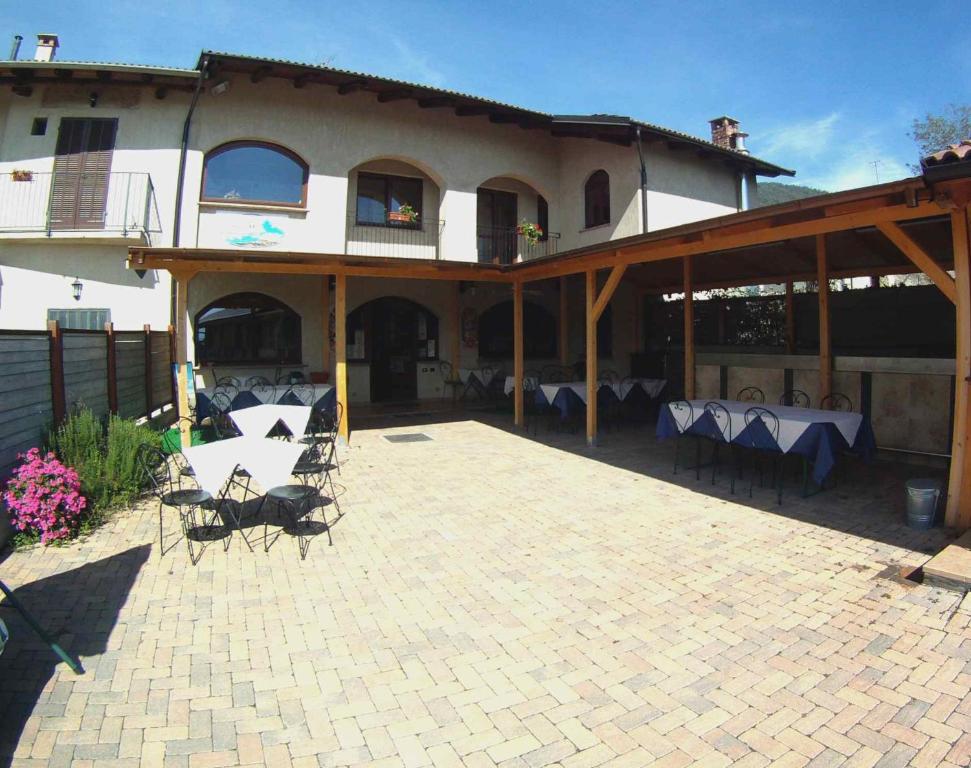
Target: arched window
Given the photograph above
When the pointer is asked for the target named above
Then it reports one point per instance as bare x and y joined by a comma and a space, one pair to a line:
247, 328
253, 172
596, 199
496, 332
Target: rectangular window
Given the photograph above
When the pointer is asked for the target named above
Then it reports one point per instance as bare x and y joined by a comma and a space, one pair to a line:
80, 319
379, 196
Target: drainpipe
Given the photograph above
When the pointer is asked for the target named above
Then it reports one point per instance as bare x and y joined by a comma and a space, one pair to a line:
743, 201
183, 152
640, 156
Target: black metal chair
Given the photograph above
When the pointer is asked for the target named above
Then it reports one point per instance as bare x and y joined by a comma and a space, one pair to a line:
684, 416
157, 471
228, 381
322, 431
222, 424
293, 500
771, 423
750, 395
723, 420
315, 467
254, 381
304, 392
836, 401
264, 391
795, 397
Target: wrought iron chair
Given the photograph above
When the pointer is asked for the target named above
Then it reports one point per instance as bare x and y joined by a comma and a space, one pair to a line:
771, 423
305, 393
254, 381
317, 463
229, 381
750, 395
264, 391
495, 389
608, 377
290, 377
222, 424
450, 379
531, 409
157, 471
294, 501
723, 420
323, 429
684, 416
795, 397
836, 401
609, 403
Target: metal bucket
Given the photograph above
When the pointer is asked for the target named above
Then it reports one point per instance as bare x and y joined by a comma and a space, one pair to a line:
922, 497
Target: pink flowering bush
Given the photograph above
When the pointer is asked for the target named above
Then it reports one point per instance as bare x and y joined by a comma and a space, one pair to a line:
44, 497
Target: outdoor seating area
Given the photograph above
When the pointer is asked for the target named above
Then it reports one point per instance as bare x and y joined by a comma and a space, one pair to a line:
266, 458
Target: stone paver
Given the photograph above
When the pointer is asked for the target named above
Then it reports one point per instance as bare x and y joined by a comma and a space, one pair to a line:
496, 599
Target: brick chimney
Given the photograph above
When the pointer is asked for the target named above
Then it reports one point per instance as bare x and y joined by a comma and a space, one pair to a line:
46, 47
725, 132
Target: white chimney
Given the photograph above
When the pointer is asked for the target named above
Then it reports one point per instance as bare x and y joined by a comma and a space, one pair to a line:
46, 47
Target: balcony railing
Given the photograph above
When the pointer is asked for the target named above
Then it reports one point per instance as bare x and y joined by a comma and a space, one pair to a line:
48, 203
418, 240
504, 245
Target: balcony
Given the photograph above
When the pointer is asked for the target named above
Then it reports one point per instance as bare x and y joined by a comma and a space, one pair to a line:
504, 245
78, 206
418, 240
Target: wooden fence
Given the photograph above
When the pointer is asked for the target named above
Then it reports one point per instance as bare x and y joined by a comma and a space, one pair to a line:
43, 374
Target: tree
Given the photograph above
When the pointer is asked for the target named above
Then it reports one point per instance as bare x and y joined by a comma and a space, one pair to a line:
935, 132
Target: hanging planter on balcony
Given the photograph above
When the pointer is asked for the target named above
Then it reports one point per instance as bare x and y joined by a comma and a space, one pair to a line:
405, 214
21, 175
532, 232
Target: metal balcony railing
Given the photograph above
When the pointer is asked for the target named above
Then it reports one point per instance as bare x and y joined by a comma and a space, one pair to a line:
115, 202
418, 240
504, 245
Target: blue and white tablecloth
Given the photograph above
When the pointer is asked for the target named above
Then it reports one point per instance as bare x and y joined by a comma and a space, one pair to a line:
325, 397
817, 435
569, 396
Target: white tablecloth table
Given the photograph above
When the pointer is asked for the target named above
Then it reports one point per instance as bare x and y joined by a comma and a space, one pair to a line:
269, 462
652, 387
530, 381
793, 421
260, 419
550, 390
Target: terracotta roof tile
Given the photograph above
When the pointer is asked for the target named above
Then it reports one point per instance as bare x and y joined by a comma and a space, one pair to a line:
955, 153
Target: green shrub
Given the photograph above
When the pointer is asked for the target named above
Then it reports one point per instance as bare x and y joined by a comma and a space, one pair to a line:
105, 458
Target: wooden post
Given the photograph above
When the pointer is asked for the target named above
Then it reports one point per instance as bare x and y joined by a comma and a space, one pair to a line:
182, 354
455, 349
340, 351
790, 319
57, 371
517, 353
689, 331
825, 341
112, 368
325, 324
564, 346
147, 336
958, 510
173, 356
591, 353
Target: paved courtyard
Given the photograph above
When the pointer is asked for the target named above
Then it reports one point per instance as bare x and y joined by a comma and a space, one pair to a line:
492, 599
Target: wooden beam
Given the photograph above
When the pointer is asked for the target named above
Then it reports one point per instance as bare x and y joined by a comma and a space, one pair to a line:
825, 340
349, 87
260, 73
921, 258
325, 323
182, 354
432, 102
340, 349
112, 367
455, 350
517, 343
958, 510
726, 238
149, 377
613, 280
58, 400
689, 330
564, 337
300, 81
385, 97
790, 320
591, 355
470, 110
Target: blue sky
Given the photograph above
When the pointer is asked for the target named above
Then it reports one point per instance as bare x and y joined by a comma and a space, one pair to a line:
826, 88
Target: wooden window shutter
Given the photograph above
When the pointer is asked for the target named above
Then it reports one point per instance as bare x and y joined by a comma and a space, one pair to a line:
82, 168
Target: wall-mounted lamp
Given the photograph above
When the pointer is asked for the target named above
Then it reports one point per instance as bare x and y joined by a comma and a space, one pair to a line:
93, 98
76, 287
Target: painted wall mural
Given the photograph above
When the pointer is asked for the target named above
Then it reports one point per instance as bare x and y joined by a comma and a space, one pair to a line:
259, 232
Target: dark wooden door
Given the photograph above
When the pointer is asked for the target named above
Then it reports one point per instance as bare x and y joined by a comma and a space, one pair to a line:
82, 167
394, 372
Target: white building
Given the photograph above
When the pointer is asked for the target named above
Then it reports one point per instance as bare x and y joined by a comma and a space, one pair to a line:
268, 156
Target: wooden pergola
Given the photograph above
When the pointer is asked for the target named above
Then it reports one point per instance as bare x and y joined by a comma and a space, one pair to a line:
903, 227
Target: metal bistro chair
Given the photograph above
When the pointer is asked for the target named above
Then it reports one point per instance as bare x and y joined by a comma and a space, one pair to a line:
750, 395
684, 416
323, 429
305, 393
222, 424
450, 380
495, 389
723, 420
294, 500
317, 463
836, 401
255, 381
264, 392
228, 381
187, 502
771, 423
795, 397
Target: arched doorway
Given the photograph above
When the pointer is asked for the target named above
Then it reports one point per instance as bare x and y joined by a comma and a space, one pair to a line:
393, 335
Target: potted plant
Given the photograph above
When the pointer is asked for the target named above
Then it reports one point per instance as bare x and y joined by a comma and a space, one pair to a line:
18, 174
405, 213
532, 232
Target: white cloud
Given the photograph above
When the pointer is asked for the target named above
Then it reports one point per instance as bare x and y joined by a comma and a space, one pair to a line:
810, 138
415, 66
